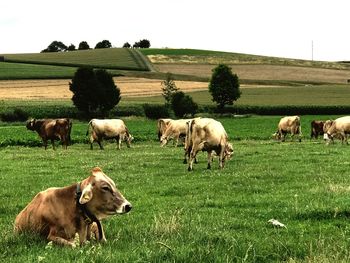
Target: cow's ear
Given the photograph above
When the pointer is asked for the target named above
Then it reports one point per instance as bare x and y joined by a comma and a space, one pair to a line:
86, 195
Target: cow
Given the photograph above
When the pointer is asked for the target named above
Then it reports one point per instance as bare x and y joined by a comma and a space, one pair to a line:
288, 124
175, 129
337, 128
52, 129
161, 126
206, 134
58, 214
108, 129
316, 129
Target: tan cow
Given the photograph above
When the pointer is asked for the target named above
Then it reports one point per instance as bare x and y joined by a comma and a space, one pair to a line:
59, 213
52, 129
161, 126
338, 128
175, 129
206, 134
288, 124
108, 129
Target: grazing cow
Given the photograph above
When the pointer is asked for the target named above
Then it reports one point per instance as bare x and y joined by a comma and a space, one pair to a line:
316, 129
289, 124
175, 129
208, 135
338, 128
59, 213
108, 129
161, 126
52, 129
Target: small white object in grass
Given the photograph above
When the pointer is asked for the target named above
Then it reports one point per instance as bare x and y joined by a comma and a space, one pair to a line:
276, 223
325, 136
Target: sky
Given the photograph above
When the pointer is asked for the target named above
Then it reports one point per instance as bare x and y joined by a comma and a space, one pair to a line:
300, 29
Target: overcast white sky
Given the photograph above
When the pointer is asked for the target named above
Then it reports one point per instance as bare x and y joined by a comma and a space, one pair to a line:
282, 28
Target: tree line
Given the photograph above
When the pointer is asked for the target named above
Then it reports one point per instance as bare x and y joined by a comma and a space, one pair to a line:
58, 46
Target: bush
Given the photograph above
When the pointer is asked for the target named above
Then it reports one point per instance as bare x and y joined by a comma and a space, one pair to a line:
154, 111
183, 104
15, 115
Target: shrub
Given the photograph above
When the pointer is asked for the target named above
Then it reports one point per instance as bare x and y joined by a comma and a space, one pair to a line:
183, 104
15, 115
155, 111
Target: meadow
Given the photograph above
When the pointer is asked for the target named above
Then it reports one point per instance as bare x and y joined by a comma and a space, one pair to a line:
200, 216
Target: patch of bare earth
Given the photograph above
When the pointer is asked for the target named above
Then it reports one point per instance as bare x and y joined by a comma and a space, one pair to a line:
264, 72
59, 88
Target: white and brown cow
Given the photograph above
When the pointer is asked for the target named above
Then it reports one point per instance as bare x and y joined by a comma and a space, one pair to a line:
108, 129
52, 129
175, 129
288, 125
206, 134
339, 128
161, 126
59, 213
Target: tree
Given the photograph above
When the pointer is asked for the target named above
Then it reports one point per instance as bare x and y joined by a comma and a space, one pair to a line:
183, 104
144, 43
103, 44
71, 47
168, 88
83, 45
126, 45
55, 46
94, 91
224, 86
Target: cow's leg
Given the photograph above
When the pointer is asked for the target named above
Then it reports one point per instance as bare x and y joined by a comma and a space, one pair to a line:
100, 144
45, 143
176, 138
59, 240
209, 160
119, 141
191, 158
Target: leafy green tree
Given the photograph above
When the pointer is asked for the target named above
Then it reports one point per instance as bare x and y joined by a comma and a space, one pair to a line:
83, 45
55, 46
183, 104
224, 86
103, 44
94, 92
168, 88
126, 45
144, 43
71, 47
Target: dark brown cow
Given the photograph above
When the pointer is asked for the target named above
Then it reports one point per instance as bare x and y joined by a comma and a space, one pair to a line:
316, 129
59, 213
52, 129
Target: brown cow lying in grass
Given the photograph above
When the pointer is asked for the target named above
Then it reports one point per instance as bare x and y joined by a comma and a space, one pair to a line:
52, 129
59, 213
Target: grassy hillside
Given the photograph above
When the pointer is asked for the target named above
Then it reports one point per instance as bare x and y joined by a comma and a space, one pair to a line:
111, 58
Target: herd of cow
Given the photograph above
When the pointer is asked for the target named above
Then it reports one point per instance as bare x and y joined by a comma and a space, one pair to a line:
199, 134
59, 214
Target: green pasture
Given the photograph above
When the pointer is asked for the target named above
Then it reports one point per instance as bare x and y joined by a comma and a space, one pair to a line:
200, 216
110, 58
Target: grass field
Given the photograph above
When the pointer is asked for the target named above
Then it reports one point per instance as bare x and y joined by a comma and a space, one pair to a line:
112, 58
199, 216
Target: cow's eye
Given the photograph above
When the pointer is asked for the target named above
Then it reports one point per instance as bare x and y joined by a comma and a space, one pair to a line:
105, 188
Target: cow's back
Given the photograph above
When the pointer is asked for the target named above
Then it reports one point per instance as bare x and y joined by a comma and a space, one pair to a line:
342, 124
108, 128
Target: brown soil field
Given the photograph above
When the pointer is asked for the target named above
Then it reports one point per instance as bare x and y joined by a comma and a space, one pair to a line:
264, 72
59, 88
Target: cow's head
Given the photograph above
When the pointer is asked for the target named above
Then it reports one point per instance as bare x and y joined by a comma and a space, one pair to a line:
30, 124
228, 151
327, 125
129, 138
163, 140
101, 196
276, 135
